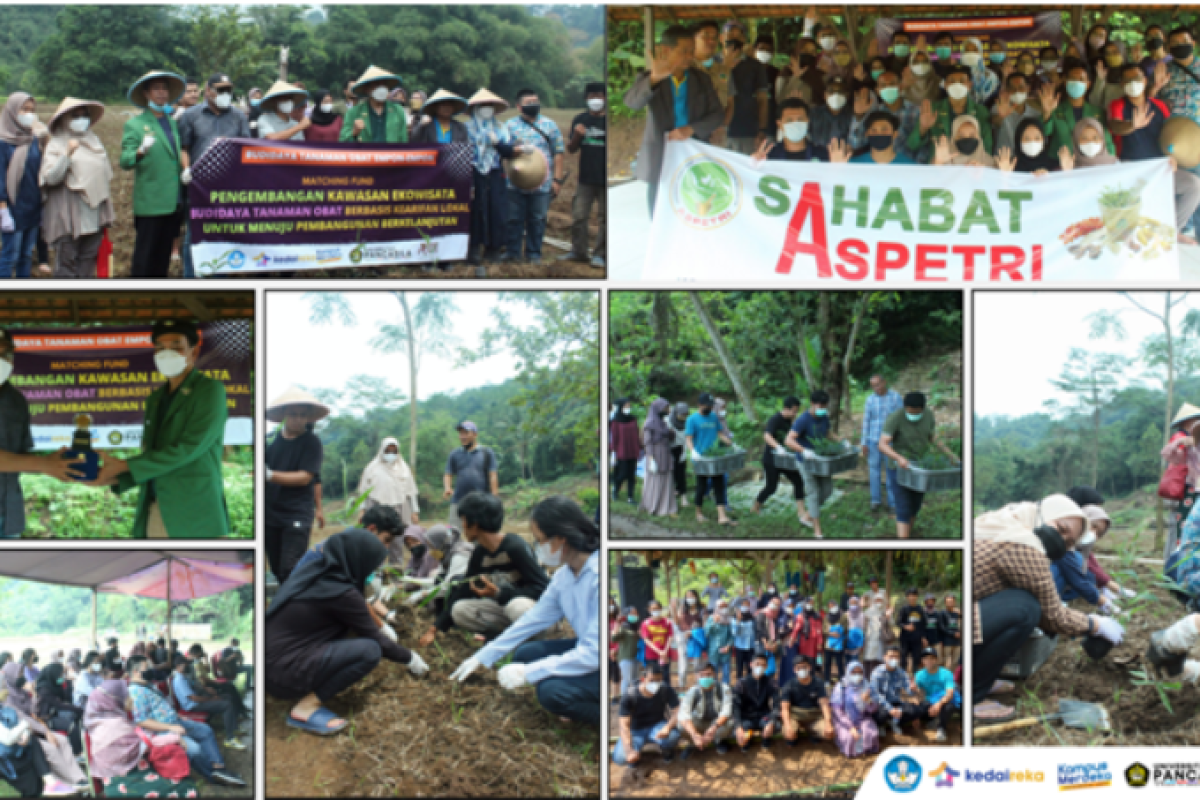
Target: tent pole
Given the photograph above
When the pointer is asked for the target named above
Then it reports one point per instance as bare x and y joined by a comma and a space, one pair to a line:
648, 32
94, 641
169, 637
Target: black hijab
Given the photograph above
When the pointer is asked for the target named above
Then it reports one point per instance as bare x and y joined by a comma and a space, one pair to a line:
1043, 160
349, 559
49, 686
621, 415
319, 117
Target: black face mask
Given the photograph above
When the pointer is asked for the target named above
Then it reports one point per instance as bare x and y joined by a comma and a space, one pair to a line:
531, 110
967, 146
20, 683
419, 551
1181, 52
808, 60
705, 411
879, 141
1154, 44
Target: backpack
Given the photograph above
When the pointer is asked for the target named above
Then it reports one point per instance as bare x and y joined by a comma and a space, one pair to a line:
1183, 567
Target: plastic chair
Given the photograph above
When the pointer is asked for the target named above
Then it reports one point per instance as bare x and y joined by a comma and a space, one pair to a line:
194, 716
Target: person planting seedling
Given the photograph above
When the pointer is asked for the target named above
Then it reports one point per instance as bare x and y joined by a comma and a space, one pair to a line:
810, 431
912, 429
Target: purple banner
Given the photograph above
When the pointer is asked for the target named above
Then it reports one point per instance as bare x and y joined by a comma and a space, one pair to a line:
259, 205
1031, 31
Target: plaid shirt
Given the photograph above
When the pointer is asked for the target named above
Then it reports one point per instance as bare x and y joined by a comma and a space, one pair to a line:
910, 117
521, 133
483, 136
1006, 565
1182, 93
149, 704
892, 685
877, 411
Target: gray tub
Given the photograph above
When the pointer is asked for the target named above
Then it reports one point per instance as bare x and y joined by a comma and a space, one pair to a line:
708, 467
828, 466
926, 480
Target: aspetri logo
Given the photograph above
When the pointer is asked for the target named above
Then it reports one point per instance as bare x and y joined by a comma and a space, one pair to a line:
1084, 776
903, 774
945, 775
1177, 774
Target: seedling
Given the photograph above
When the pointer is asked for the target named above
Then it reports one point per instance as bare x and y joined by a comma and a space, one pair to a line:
1145, 679
827, 448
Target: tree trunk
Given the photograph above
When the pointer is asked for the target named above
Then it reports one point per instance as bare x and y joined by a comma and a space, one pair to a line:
412, 381
726, 358
887, 576
860, 312
1160, 533
831, 362
660, 321
802, 334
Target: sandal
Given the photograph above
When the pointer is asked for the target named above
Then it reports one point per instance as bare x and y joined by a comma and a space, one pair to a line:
728, 523
992, 712
318, 723
1002, 687
806, 522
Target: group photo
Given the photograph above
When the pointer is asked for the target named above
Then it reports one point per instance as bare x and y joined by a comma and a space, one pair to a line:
798, 415
1086, 604
127, 415
433, 543
744, 673
969, 144
329, 141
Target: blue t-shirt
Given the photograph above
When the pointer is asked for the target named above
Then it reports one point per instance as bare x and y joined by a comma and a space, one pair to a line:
703, 430
865, 158
935, 686
807, 427
833, 639
679, 95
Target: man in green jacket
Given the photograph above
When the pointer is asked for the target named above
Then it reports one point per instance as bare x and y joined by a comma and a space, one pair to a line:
150, 147
1060, 118
179, 468
377, 120
936, 117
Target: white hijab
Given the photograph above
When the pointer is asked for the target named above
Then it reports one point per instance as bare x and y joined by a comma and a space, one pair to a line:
1016, 521
390, 484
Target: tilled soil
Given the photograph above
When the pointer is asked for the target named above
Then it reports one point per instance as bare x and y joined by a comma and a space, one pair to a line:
420, 737
1137, 714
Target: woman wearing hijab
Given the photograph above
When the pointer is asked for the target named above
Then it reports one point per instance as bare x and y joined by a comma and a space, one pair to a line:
74, 664
1032, 154
679, 415
76, 176
452, 553
29, 660
921, 83
625, 443
854, 703
390, 482
984, 82
964, 147
54, 705
489, 204
22, 764
421, 563
840, 63
55, 748
1090, 149
309, 657
658, 496
118, 754
877, 632
20, 195
566, 672
326, 122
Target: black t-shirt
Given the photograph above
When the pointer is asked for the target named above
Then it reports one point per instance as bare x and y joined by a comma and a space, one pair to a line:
915, 616
778, 427
112, 660
803, 695
951, 625
592, 168
646, 712
513, 560
287, 505
746, 80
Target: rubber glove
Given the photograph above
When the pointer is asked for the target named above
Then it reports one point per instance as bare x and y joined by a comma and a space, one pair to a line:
390, 632
185, 177
147, 142
781, 451
695, 454
1110, 629
1129, 593
417, 666
465, 669
512, 677
7, 224
1109, 594
415, 598
653, 465
1110, 609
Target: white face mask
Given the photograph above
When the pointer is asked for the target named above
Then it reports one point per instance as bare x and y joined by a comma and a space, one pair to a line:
96, 667
1049, 65
721, 415
970, 59
652, 687
795, 131
1088, 539
27, 120
758, 671
691, 601
626, 410
6, 369
1032, 149
828, 43
595, 106
801, 674
326, 108
922, 69
388, 458
892, 663
764, 58
485, 112
836, 101
1019, 98
1091, 149
855, 680
550, 558
80, 124
170, 363
957, 91
223, 100
656, 613
285, 107
1135, 88
379, 94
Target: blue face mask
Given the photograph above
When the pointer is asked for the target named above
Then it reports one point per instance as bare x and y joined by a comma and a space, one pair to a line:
706, 683
632, 619
997, 58
822, 412
900, 50
889, 94
875, 73
166, 108
1076, 89
255, 103
708, 63
914, 417
942, 52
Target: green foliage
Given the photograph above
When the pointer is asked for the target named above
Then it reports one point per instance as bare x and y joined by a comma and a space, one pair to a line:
827, 448
22, 29
934, 460
717, 449
1118, 197
221, 41
589, 500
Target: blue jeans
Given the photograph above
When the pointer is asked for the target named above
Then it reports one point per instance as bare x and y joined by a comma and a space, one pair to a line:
639, 737
527, 217
723, 669
628, 675
16, 252
201, 746
577, 697
876, 464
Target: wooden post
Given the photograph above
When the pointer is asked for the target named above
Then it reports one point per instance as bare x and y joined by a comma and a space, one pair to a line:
852, 29
648, 33
888, 575
94, 641
283, 63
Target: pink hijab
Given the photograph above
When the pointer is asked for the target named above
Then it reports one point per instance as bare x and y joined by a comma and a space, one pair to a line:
116, 746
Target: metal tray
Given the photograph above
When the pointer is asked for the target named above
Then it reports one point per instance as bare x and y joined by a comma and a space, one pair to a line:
828, 466
925, 480
785, 461
708, 467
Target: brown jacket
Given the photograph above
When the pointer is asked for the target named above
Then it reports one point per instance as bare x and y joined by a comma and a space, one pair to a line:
1006, 565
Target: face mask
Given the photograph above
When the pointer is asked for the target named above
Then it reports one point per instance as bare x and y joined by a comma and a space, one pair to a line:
707, 683
1091, 149
1076, 89
921, 69
170, 363
822, 412
1019, 98
764, 58
802, 674
326, 108
379, 94
808, 606
691, 601
745, 609
1027, 68
418, 552
223, 100
971, 59
656, 613
1049, 65
550, 558
875, 73
854, 605
997, 58
652, 687
486, 112
595, 105
1113, 61
1135, 88
713, 581
901, 50
1097, 41
879, 142
6, 369
795, 131
916, 417
27, 120
1088, 539
957, 91
1031, 149
626, 410
80, 124
1154, 44
942, 52
855, 680
889, 94
771, 590
531, 110
95, 667
632, 619
707, 63
828, 43
892, 663
841, 59
165, 108
966, 147
388, 458
286, 107
1181, 52
758, 672
721, 414
372, 579
255, 103
793, 592
833, 609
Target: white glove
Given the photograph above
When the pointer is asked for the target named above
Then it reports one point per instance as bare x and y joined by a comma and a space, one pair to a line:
1109, 594
389, 632
1110, 609
1130, 593
695, 454
417, 666
387, 593
512, 677
415, 598
7, 224
613, 458
1109, 628
465, 669
185, 177
653, 463
268, 472
147, 142
781, 451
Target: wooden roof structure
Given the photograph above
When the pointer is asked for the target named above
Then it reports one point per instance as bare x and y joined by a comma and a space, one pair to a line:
122, 307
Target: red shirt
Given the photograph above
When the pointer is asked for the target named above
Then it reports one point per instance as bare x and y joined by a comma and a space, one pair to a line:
324, 133
626, 441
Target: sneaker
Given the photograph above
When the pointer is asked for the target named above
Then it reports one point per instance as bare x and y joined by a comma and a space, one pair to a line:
896, 728
875, 508
598, 262
766, 743
573, 256
535, 260
941, 735
723, 748
1163, 663
227, 778
234, 744
57, 788
668, 756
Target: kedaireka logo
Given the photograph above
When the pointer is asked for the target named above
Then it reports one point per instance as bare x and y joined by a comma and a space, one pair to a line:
706, 193
1084, 776
1004, 776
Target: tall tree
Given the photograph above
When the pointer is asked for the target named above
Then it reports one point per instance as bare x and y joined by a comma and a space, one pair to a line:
222, 42
726, 358
1091, 380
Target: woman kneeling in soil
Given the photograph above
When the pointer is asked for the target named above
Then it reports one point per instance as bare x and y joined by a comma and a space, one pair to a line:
565, 671
309, 656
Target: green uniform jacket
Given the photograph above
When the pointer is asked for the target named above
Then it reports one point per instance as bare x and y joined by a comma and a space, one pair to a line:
1060, 128
942, 127
397, 123
156, 175
185, 462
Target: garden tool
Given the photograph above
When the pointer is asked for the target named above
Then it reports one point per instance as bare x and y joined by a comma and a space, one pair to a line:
1072, 713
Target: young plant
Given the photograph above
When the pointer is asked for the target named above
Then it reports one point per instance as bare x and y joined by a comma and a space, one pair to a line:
826, 448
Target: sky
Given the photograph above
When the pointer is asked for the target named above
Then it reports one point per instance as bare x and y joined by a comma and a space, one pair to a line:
300, 353
1022, 340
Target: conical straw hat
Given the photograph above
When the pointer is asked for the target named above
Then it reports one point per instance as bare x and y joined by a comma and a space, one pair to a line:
528, 170
281, 89
443, 96
295, 396
69, 104
175, 87
483, 97
1186, 411
374, 75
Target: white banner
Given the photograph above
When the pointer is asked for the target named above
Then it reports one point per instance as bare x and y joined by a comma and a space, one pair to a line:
721, 216
238, 430
216, 258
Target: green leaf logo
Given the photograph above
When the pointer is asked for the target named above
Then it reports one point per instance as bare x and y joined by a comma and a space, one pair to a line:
706, 189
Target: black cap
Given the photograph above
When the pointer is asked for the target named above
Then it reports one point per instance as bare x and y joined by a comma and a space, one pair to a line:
220, 79
930, 596
929, 651
873, 579
181, 326
596, 86
912, 590
706, 399
914, 400
111, 640
835, 82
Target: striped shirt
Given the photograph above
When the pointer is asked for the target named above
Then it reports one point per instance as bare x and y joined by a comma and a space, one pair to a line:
878, 409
